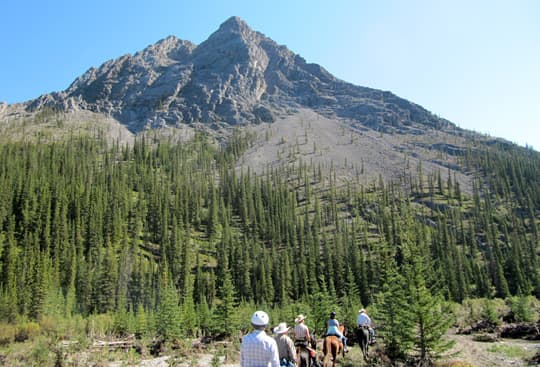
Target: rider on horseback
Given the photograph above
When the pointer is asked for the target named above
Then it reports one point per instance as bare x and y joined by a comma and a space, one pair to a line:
333, 329
301, 332
363, 320
303, 338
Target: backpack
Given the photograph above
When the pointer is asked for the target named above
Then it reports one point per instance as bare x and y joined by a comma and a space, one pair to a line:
286, 363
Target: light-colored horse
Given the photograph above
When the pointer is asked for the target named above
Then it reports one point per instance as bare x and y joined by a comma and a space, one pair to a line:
332, 346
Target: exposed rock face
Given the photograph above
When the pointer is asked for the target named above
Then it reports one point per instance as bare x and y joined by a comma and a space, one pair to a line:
236, 76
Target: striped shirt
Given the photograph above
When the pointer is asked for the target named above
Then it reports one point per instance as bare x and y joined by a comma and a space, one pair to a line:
301, 331
258, 350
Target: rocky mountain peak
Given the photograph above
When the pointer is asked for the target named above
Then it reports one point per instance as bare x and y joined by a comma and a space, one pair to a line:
170, 47
234, 25
236, 76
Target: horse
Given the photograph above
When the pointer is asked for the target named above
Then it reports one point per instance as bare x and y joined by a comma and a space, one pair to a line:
362, 334
332, 346
304, 351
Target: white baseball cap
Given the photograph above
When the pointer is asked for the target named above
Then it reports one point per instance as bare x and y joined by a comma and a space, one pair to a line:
260, 318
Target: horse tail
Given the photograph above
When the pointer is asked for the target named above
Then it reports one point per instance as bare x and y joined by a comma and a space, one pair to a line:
327, 350
363, 338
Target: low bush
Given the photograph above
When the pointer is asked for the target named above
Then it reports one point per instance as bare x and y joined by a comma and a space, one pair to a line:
41, 354
27, 331
49, 325
7, 333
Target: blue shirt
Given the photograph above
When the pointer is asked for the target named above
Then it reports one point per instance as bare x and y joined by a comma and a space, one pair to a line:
333, 325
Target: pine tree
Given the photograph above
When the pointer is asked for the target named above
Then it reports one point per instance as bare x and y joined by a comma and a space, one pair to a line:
168, 312
225, 316
394, 314
429, 312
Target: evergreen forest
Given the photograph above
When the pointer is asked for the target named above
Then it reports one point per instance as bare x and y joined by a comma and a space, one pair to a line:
173, 239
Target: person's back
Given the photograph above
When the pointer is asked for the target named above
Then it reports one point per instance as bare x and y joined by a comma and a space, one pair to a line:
363, 320
333, 329
286, 349
301, 331
257, 348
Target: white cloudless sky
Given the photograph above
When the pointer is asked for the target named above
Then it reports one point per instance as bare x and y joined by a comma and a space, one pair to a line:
475, 63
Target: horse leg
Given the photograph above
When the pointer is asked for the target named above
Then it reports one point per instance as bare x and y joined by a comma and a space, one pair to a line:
335, 352
305, 358
326, 360
364, 343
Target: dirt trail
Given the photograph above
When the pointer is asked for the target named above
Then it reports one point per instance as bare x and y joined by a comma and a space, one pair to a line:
503, 353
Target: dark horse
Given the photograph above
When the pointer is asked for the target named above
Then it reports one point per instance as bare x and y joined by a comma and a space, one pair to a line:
362, 334
304, 351
332, 346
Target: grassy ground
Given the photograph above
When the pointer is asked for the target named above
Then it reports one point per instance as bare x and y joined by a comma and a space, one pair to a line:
43, 351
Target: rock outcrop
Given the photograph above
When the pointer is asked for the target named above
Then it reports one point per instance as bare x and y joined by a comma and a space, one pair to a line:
236, 76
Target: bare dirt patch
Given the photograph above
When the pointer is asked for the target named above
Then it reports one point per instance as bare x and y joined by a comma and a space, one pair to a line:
502, 353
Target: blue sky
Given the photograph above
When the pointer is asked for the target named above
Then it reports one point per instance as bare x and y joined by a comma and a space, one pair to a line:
476, 63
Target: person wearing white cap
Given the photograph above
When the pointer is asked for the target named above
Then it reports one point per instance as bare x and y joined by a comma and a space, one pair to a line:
286, 349
257, 348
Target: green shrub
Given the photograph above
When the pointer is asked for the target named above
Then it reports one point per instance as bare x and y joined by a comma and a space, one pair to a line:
100, 325
49, 325
522, 307
490, 313
41, 355
7, 333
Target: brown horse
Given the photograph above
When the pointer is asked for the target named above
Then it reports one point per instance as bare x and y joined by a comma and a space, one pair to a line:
332, 346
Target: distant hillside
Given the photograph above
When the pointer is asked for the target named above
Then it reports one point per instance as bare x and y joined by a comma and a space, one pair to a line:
240, 78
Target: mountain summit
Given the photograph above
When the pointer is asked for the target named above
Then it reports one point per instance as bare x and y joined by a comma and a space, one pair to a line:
236, 76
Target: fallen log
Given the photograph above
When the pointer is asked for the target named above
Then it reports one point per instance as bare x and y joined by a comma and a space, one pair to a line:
127, 343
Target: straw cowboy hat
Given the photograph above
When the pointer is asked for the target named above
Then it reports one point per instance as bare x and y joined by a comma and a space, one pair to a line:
299, 318
281, 328
362, 310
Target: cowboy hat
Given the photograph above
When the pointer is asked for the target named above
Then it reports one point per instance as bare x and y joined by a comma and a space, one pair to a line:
362, 310
299, 318
281, 328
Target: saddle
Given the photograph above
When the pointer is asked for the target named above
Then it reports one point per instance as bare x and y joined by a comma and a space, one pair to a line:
305, 344
337, 336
